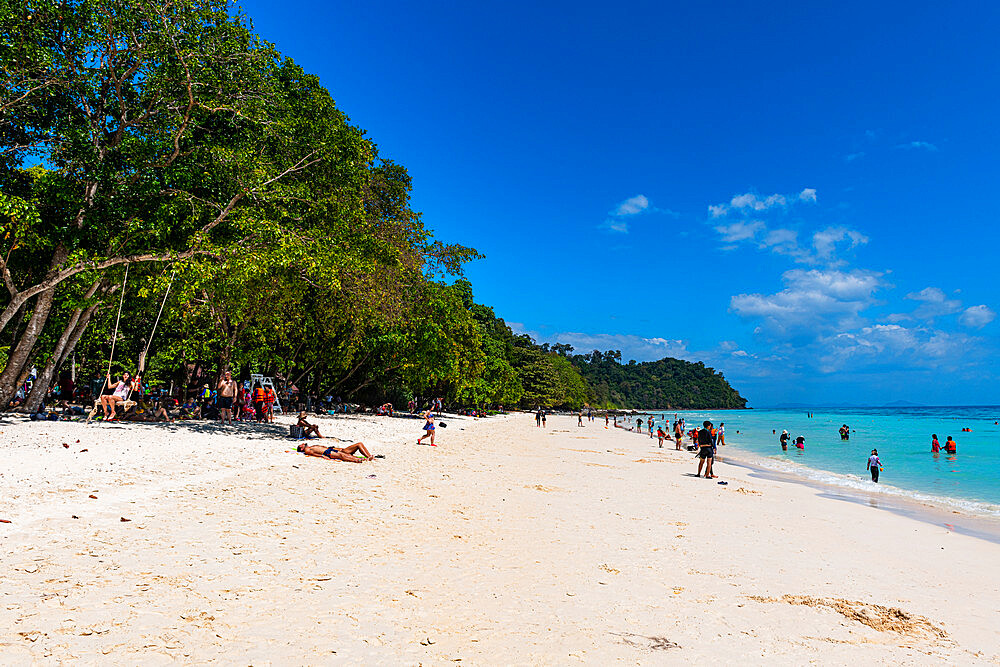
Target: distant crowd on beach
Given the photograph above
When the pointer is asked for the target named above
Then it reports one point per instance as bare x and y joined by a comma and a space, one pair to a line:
705, 441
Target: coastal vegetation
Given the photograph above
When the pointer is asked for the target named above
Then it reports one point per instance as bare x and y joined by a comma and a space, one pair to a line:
177, 197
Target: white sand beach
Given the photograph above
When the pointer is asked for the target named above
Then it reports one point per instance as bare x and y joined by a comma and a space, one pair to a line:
507, 544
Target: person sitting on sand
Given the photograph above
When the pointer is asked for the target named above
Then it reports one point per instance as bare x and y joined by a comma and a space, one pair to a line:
190, 410
306, 427
337, 453
119, 395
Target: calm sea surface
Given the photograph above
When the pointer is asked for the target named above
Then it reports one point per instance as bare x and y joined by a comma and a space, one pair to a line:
969, 479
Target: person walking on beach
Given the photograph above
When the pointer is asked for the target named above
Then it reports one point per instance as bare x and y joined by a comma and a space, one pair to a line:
950, 446
428, 428
935, 445
227, 394
660, 436
720, 435
579, 418
543, 418
678, 435
874, 465
705, 454
538, 418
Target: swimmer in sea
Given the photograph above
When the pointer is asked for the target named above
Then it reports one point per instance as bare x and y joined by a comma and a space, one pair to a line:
935, 445
950, 446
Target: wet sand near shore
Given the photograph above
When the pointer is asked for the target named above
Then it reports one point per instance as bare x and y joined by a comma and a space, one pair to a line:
506, 544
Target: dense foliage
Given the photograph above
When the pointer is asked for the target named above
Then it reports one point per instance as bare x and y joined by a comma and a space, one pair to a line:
668, 383
161, 160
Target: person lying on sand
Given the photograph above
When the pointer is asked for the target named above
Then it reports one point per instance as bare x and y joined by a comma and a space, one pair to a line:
306, 427
337, 453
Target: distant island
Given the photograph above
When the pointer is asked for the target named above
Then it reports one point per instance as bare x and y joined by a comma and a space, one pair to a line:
670, 384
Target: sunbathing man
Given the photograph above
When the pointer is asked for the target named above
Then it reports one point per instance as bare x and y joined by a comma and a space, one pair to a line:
337, 453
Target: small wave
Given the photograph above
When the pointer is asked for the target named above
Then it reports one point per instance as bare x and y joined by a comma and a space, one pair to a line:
859, 483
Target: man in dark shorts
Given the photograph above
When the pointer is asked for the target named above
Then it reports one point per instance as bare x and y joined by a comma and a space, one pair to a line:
337, 453
705, 454
226, 396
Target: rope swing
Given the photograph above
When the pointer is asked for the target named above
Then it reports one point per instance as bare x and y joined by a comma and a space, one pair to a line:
114, 339
142, 357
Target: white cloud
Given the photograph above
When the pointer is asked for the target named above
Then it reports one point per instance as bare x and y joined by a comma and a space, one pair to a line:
933, 303
631, 346
925, 145
751, 202
739, 231
632, 206
977, 317
851, 157
825, 241
813, 301
617, 218
615, 225
894, 345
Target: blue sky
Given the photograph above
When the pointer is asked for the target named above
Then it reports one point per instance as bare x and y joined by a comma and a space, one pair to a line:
801, 195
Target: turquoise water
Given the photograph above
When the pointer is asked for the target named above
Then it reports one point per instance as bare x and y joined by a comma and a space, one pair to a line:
971, 478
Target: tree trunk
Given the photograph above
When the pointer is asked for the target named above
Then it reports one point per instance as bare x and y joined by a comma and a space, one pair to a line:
74, 329
19, 356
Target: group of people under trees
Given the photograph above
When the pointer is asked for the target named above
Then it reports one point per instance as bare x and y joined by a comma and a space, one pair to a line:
231, 401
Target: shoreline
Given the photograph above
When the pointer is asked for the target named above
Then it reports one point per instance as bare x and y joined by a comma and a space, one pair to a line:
935, 510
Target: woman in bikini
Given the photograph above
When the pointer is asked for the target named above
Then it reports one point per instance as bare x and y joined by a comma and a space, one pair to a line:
120, 394
428, 428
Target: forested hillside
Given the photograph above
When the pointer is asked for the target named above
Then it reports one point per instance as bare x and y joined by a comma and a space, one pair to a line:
667, 383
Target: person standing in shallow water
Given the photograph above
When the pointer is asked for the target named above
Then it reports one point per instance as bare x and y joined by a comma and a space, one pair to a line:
935, 445
874, 465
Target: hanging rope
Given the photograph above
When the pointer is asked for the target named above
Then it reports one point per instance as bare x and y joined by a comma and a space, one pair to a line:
115, 338
142, 358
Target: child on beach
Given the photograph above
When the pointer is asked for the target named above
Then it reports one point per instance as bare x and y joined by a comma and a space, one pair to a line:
660, 435
874, 465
